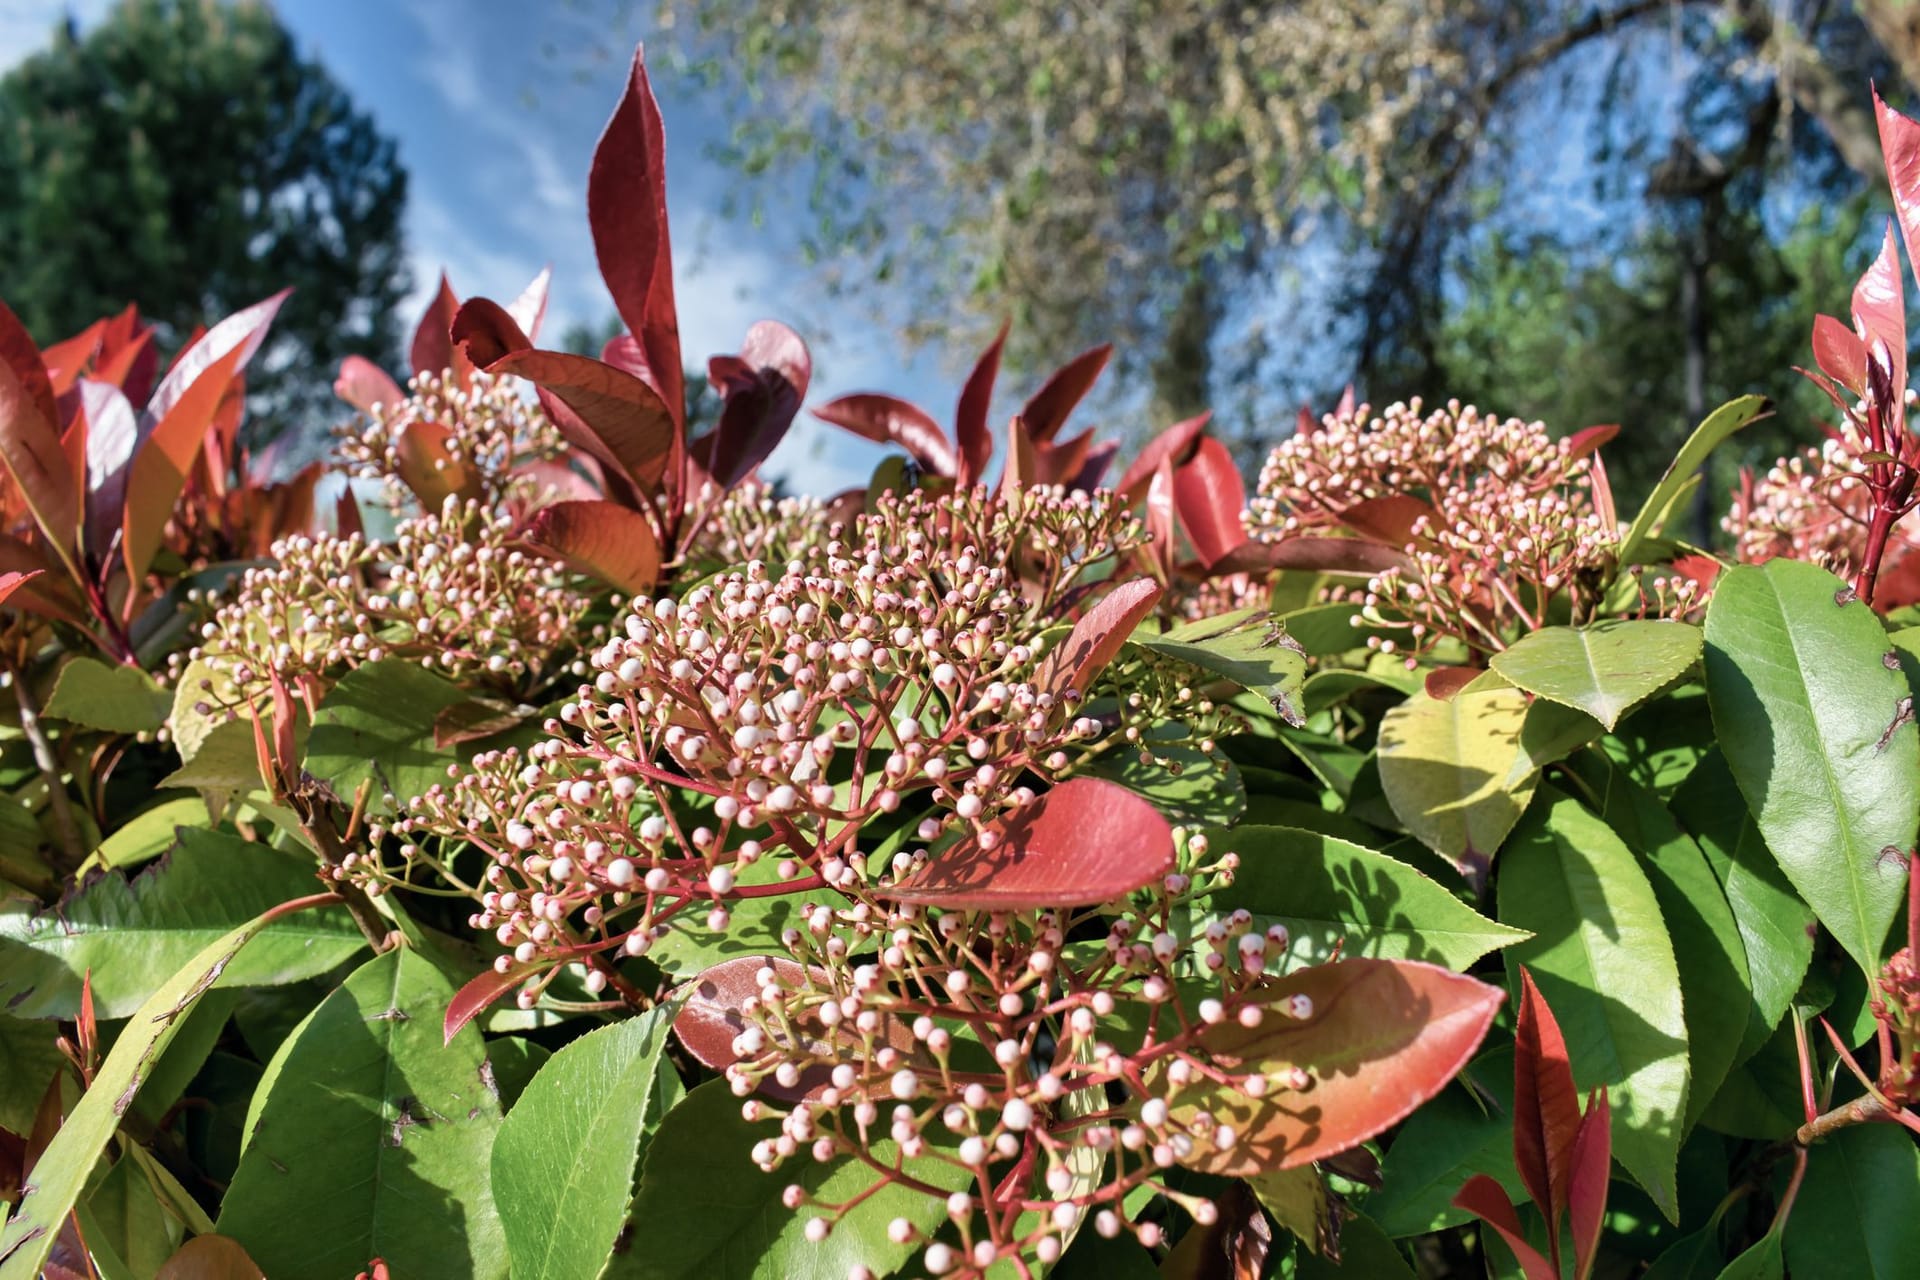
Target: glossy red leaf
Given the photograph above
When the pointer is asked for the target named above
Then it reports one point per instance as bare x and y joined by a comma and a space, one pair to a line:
1841, 355
1487, 1200
1209, 496
1093, 469
66, 361
212, 1258
970, 431
1443, 682
1546, 1107
627, 210
1587, 1188
888, 419
529, 310
165, 456
479, 993
616, 418
553, 481
1023, 464
245, 331
1591, 439
423, 452
113, 433
1348, 556
364, 384
1381, 1037
602, 539
1064, 462
1161, 532
30, 446
1085, 842
1172, 445
12, 582
1879, 304
484, 332
1053, 403
1900, 144
432, 348
130, 366
710, 1019
1387, 520
762, 389
1097, 636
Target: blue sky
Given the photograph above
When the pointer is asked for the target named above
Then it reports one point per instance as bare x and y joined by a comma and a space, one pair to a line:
497, 132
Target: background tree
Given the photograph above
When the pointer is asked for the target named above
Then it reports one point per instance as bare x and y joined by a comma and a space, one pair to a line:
1261, 201
183, 153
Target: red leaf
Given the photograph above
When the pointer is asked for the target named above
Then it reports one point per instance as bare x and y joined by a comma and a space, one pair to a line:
616, 418
159, 470
1209, 495
1591, 439
603, 539
432, 349
529, 310
1161, 534
210, 1258
66, 361
1053, 403
1389, 520
12, 582
243, 331
484, 332
1098, 635
113, 433
30, 437
473, 999
130, 366
1087, 841
1322, 555
1900, 143
364, 384
1173, 443
426, 465
1587, 1188
970, 419
627, 210
1380, 1038
1065, 462
762, 389
1546, 1107
1879, 305
1444, 682
1099, 458
1840, 354
1023, 464
1486, 1200
887, 419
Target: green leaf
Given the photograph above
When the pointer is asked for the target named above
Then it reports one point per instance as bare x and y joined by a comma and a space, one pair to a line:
371, 1130
705, 1212
563, 1163
1206, 788
148, 834
133, 932
1708, 436
1093, 1257
1365, 1252
1606, 669
1455, 772
64, 1167
1761, 1097
753, 929
1247, 647
225, 760
1776, 928
1602, 957
513, 1062
28, 1060
1858, 1213
118, 699
1715, 989
1299, 1201
128, 1231
1444, 1144
1760, 1261
377, 724
1327, 891
1805, 709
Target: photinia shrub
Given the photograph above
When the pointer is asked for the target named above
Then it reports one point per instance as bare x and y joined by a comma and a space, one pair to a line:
1406, 863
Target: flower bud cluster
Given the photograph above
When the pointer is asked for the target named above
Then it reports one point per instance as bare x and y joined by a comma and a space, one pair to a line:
484, 427
1813, 506
451, 591
1098, 1077
749, 522
1311, 477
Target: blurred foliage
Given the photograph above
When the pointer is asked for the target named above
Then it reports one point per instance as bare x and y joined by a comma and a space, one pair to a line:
184, 153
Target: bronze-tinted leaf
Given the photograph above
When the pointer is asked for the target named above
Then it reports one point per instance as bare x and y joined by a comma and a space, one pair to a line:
602, 539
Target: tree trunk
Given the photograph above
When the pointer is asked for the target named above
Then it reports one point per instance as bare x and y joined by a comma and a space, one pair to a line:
1183, 372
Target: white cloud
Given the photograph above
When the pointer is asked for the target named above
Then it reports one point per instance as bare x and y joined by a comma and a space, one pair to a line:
27, 26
